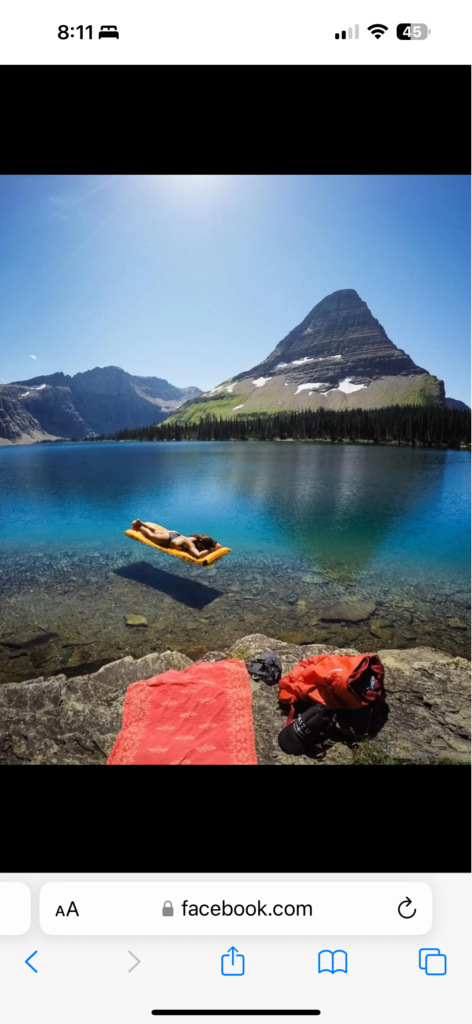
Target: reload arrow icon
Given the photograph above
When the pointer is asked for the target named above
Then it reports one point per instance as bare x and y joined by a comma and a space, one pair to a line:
405, 903
134, 958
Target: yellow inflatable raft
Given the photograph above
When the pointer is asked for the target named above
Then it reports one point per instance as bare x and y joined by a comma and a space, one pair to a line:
178, 554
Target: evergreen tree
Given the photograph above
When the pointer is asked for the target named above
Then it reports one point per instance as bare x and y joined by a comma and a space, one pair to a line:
429, 426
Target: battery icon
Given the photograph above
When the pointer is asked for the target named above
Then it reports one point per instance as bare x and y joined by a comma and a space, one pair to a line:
417, 31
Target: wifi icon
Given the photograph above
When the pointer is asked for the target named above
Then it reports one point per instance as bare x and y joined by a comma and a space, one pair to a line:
377, 30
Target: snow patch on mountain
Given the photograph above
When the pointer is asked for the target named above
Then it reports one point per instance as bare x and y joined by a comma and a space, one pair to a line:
346, 386
306, 359
221, 387
296, 362
304, 387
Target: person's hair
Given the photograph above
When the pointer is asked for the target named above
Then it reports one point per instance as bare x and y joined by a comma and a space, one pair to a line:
203, 542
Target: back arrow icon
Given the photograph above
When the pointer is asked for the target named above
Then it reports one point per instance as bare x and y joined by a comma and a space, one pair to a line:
30, 958
134, 958
405, 903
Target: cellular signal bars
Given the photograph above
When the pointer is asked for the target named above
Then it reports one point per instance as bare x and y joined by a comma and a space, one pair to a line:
349, 33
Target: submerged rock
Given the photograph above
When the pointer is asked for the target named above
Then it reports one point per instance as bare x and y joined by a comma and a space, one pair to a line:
379, 630
297, 638
75, 658
20, 641
348, 610
75, 721
136, 620
351, 632
401, 615
197, 652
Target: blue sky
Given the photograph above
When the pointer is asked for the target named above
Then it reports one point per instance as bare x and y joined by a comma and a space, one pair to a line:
196, 278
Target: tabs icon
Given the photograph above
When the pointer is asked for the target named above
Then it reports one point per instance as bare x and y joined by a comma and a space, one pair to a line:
432, 961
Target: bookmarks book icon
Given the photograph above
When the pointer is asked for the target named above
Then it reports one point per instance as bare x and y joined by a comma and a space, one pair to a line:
332, 961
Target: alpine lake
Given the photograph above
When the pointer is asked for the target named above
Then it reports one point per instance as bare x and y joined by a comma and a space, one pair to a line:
351, 545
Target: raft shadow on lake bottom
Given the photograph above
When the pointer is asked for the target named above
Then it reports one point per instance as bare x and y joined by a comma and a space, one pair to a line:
189, 592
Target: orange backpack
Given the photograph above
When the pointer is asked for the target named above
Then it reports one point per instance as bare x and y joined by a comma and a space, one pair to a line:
335, 680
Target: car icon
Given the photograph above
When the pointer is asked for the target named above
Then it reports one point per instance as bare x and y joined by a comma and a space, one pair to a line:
108, 32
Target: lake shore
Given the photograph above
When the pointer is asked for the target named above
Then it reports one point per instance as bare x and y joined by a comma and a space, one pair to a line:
426, 718
249, 440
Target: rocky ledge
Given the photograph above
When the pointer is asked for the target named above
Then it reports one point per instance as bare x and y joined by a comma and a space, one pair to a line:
75, 721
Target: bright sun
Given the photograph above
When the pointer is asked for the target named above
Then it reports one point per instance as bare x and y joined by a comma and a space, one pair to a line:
191, 187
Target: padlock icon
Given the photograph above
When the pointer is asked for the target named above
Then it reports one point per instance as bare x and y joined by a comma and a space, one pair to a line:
167, 910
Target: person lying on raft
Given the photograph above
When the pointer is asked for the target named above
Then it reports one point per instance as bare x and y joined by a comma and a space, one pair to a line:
198, 545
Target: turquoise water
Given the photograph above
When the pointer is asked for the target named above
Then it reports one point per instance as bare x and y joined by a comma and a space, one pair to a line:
387, 524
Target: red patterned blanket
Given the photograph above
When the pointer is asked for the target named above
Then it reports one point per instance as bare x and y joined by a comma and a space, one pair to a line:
201, 715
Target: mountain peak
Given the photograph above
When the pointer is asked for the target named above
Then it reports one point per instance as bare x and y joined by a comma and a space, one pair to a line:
338, 357
339, 333
348, 292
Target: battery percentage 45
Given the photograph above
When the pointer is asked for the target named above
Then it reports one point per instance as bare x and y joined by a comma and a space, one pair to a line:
417, 31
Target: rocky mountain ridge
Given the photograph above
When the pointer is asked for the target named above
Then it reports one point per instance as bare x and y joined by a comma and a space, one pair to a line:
99, 401
338, 357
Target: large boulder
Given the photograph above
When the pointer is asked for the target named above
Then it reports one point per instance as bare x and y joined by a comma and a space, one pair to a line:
75, 721
427, 710
72, 721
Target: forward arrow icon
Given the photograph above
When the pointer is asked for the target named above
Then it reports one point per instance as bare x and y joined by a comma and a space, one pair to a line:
134, 958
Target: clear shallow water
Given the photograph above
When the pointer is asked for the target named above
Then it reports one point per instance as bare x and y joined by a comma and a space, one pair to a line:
309, 523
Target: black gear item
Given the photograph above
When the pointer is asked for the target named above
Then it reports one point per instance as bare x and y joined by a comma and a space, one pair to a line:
267, 668
302, 735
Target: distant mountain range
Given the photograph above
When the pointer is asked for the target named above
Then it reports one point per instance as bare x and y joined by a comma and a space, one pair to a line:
338, 357
99, 401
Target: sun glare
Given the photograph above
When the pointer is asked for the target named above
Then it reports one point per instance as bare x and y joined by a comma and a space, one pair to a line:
196, 183
194, 188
